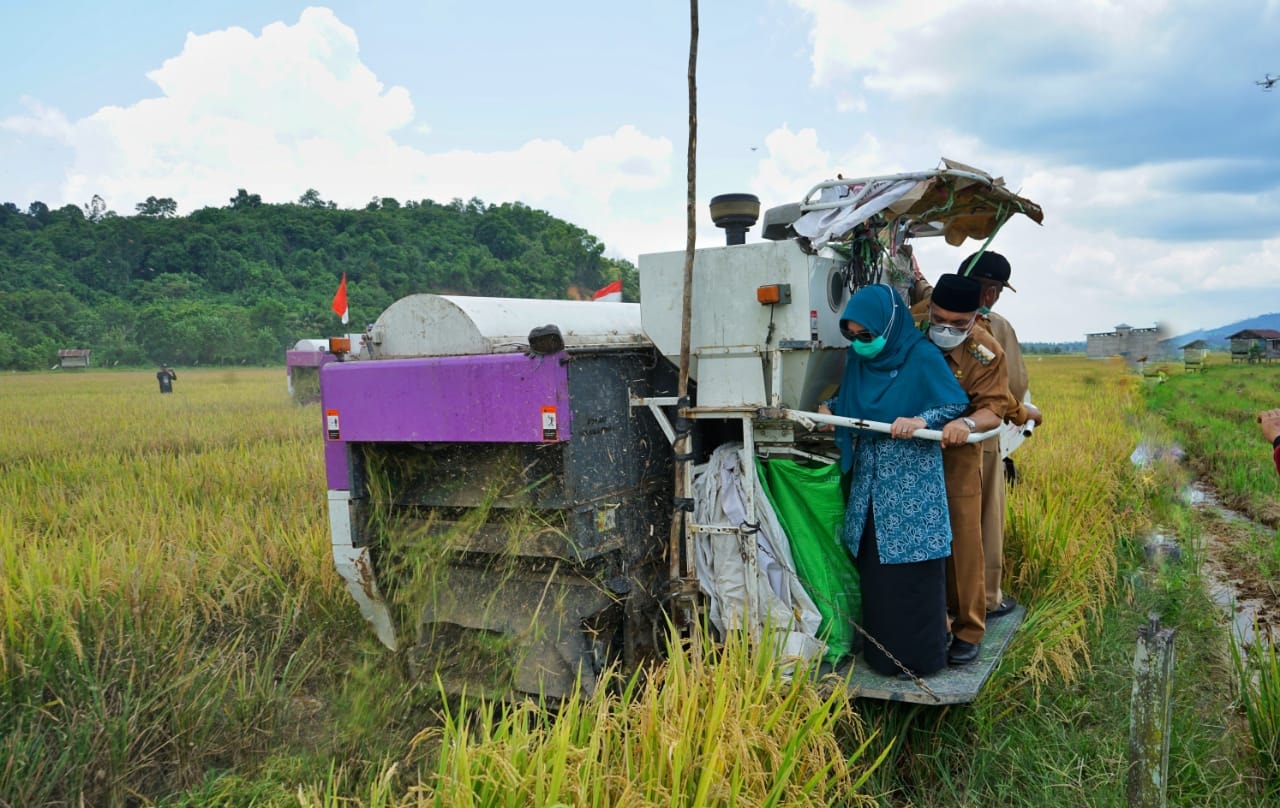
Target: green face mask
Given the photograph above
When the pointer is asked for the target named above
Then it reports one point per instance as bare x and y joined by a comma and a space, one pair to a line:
869, 350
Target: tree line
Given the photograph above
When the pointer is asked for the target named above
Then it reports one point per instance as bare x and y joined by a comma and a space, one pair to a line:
240, 284
1077, 347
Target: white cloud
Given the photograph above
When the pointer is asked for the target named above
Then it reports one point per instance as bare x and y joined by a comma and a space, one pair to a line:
579, 185
278, 113
40, 121
300, 81
932, 47
629, 237
793, 163
294, 107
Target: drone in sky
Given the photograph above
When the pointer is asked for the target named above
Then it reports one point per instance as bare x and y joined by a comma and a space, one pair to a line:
1267, 83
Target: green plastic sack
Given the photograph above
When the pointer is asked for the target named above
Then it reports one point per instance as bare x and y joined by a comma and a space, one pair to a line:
809, 502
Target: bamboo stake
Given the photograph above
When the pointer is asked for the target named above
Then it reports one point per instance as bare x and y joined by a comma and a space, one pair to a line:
680, 542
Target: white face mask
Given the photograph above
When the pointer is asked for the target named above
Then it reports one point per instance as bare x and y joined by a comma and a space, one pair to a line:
947, 337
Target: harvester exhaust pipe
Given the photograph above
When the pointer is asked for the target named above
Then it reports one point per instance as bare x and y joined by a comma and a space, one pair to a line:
736, 213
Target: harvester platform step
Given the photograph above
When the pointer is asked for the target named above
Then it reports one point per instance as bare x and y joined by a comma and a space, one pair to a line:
958, 684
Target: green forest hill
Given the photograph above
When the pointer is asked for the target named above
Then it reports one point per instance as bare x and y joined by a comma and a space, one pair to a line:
242, 283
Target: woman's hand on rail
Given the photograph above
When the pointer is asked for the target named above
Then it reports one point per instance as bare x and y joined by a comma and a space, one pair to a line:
823, 409
904, 427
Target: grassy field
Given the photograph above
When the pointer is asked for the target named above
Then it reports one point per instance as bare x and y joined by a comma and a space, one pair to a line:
173, 634
1213, 416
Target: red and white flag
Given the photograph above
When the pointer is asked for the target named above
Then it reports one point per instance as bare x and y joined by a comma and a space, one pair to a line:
609, 294
340, 300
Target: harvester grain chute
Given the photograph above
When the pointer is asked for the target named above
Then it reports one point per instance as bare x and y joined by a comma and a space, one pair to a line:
302, 363
500, 475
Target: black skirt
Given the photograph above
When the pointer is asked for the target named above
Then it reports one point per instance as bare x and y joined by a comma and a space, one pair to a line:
904, 607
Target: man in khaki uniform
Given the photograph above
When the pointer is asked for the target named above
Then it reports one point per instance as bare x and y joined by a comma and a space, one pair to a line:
991, 270
978, 362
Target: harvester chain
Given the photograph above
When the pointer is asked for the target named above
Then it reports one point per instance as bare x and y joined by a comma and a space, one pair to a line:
910, 674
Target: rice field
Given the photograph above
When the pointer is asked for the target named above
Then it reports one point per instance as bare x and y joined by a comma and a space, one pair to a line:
173, 631
166, 593
1076, 505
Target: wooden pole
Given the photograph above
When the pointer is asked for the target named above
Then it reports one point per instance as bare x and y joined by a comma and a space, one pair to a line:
680, 546
1150, 716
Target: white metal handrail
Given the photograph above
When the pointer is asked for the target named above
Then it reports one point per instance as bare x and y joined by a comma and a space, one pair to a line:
809, 419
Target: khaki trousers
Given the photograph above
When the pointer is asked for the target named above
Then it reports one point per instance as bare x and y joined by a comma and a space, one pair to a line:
993, 513
966, 571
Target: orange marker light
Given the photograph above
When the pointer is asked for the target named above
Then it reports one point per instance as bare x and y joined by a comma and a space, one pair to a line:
774, 293
339, 345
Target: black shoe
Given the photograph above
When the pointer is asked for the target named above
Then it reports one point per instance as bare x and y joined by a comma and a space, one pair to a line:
1007, 605
961, 652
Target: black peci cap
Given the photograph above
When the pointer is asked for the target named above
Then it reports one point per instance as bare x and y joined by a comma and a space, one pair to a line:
957, 293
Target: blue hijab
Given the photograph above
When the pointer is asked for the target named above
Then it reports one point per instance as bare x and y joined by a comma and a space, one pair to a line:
910, 375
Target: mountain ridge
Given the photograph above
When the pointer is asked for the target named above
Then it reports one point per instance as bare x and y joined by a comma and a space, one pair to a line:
1217, 337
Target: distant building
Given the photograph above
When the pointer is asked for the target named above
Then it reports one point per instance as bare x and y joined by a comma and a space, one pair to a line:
73, 358
1193, 355
1255, 345
1134, 345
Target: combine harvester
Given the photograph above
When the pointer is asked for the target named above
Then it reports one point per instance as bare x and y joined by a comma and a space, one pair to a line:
518, 498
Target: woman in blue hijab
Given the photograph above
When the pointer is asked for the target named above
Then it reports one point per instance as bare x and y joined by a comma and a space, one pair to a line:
896, 520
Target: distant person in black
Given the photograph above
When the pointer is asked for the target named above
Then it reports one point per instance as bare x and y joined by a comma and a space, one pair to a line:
165, 376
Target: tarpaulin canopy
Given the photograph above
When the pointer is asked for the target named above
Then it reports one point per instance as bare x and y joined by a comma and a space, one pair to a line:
957, 200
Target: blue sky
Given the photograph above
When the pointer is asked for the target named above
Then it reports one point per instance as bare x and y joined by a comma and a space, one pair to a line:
1136, 125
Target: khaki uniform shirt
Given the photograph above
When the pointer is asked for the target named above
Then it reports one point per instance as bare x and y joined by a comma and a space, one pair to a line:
978, 364
1002, 330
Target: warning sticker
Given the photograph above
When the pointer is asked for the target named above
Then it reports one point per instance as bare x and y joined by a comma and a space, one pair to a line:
550, 431
331, 424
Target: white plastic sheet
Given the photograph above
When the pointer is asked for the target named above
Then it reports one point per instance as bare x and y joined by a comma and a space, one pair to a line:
766, 595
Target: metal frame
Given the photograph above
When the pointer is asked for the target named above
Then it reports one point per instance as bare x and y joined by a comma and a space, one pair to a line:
750, 449
869, 182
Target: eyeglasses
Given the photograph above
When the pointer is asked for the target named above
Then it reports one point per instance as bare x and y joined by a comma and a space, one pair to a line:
954, 323
860, 336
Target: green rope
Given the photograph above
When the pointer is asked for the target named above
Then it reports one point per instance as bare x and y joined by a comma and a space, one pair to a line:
943, 208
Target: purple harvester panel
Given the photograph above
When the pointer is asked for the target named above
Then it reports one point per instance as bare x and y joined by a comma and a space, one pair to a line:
303, 359
336, 473
489, 398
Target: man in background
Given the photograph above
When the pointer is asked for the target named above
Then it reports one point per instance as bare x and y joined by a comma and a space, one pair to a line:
991, 270
165, 376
